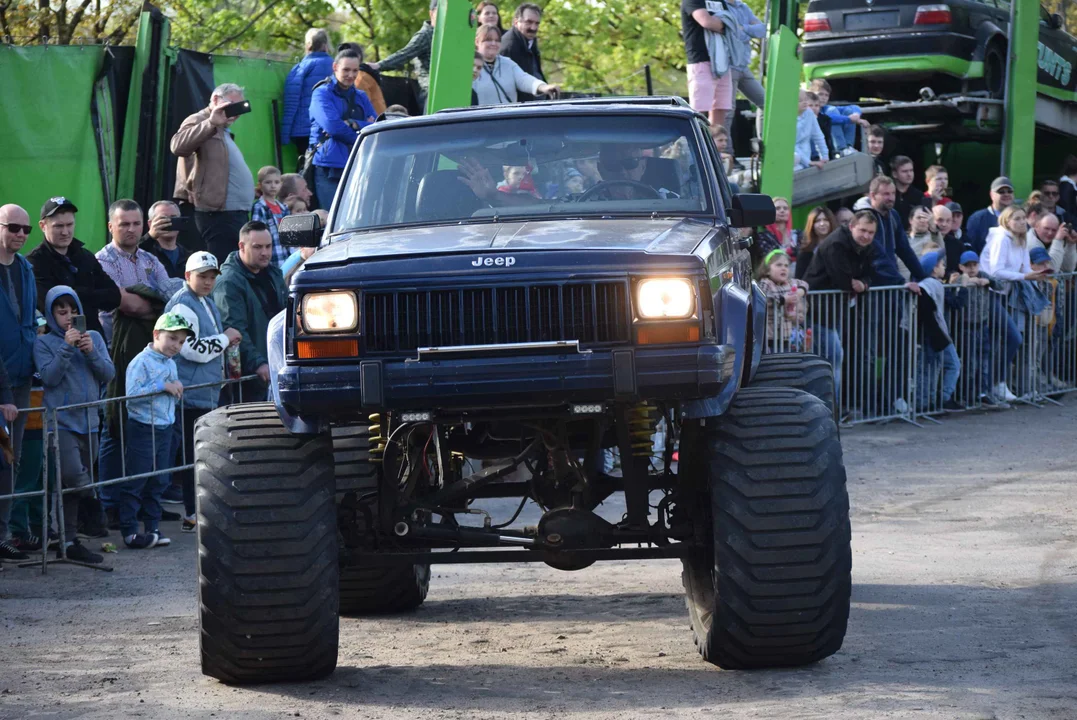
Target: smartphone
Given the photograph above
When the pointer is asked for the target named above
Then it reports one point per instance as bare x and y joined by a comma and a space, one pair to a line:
237, 108
178, 223
79, 323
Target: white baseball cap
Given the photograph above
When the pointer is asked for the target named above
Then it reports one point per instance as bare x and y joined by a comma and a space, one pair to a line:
202, 261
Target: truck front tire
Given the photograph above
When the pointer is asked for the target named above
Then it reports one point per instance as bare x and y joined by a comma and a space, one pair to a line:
371, 590
773, 588
267, 548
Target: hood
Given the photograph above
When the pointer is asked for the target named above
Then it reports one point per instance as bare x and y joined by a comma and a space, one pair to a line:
676, 237
57, 292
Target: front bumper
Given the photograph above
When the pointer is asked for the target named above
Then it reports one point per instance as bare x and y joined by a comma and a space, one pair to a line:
626, 374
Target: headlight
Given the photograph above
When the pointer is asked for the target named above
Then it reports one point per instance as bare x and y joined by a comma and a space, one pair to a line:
330, 312
665, 298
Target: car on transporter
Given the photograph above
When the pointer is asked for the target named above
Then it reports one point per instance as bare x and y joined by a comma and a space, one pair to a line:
479, 324
890, 49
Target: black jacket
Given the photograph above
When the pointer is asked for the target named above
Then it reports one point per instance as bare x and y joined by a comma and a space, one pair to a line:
79, 269
514, 46
803, 263
954, 249
1067, 198
904, 203
838, 261
825, 126
151, 246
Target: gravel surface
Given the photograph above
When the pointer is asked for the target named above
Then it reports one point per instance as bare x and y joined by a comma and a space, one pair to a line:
964, 604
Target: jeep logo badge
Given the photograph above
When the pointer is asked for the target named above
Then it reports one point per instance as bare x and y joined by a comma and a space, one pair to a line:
481, 261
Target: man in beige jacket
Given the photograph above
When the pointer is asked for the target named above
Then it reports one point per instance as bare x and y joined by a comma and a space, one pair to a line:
212, 174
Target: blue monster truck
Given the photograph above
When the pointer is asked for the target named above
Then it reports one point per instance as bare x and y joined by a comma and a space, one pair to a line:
504, 300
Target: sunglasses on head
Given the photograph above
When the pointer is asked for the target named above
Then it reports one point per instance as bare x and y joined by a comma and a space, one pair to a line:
16, 227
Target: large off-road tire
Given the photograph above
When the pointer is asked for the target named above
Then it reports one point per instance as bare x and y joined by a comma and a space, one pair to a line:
774, 590
995, 68
801, 371
267, 548
371, 590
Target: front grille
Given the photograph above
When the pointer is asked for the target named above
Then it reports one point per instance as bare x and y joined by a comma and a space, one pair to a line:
401, 321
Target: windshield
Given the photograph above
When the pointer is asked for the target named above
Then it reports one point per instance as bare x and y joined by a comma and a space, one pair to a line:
524, 167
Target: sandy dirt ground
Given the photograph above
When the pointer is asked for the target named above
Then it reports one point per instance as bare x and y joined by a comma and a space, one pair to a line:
964, 606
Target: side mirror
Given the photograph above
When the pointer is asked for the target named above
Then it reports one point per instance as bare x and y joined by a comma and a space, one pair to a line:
749, 210
301, 230
1055, 22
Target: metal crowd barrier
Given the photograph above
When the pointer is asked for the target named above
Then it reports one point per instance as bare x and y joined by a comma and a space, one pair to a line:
52, 468
887, 369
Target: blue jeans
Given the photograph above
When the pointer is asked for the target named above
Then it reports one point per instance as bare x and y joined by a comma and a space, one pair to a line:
1001, 324
827, 343
844, 136
109, 466
951, 370
325, 184
148, 448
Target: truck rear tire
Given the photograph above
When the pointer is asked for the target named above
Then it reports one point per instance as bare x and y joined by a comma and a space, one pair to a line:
371, 590
774, 588
801, 371
267, 548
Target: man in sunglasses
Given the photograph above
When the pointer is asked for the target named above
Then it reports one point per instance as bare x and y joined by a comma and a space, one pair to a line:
982, 221
18, 330
63, 260
1049, 195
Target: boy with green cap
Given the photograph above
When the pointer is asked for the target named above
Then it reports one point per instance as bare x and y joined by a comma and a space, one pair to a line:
148, 433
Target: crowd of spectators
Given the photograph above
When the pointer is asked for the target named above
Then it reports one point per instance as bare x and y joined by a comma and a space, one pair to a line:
998, 272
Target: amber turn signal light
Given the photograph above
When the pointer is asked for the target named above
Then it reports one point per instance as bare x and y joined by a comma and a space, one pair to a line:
663, 334
319, 349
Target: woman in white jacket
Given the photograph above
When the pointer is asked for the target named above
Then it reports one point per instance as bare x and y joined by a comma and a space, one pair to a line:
501, 78
1005, 255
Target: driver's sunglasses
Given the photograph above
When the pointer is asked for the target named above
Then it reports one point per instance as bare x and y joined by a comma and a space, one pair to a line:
630, 163
17, 227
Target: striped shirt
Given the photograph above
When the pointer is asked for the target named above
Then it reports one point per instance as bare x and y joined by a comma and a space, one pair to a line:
126, 270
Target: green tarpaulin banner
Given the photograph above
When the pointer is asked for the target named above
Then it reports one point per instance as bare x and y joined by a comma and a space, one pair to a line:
263, 82
49, 146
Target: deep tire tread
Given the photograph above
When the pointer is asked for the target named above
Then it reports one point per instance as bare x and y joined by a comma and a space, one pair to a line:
267, 548
802, 371
780, 593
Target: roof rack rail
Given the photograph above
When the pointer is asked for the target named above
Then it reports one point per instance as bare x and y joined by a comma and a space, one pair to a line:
658, 100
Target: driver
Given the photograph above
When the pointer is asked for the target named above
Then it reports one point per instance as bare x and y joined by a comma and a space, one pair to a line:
621, 163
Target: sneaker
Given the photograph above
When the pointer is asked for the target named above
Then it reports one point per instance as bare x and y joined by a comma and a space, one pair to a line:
162, 541
173, 495
27, 543
141, 541
1003, 393
79, 552
952, 405
900, 406
190, 524
168, 516
11, 553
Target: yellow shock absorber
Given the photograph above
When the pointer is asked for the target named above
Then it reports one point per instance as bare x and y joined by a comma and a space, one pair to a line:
377, 441
641, 427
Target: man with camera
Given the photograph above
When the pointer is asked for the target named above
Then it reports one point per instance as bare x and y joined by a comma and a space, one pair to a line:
212, 174
1059, 239
162, 238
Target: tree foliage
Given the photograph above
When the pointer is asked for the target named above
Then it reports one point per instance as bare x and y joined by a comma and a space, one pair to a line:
598, 46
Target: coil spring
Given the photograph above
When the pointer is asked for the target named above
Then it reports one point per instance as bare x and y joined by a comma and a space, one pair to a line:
642, 424
377, 440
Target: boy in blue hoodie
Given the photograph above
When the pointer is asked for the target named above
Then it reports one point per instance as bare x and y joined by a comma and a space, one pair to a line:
148, 432
74, 366
201, 361
844, 119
